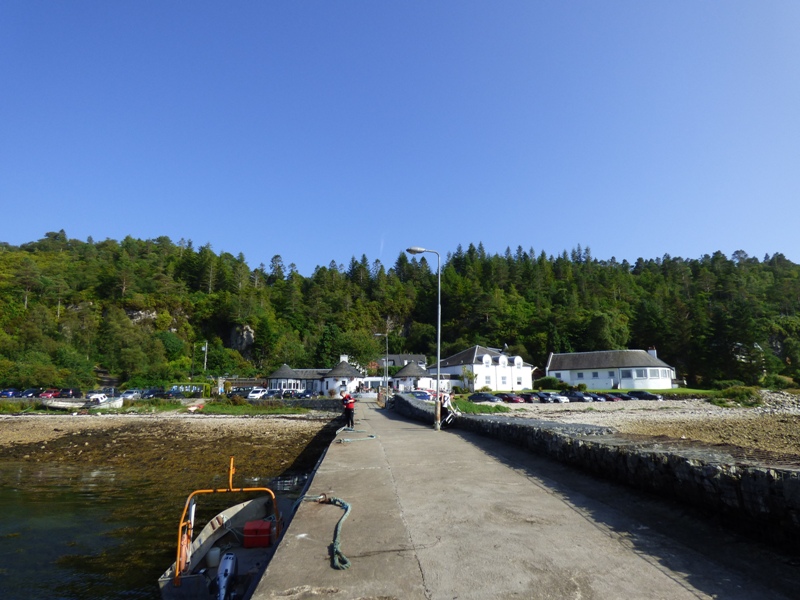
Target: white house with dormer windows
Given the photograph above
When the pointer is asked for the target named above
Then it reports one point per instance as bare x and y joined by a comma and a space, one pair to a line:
487, 367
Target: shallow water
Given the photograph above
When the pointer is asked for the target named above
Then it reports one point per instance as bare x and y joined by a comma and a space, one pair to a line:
76, 533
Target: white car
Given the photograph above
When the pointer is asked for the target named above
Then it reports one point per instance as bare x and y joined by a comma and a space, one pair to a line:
257, 393
559, 398
132, 395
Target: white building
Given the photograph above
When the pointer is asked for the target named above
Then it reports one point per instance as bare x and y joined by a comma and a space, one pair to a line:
414, 377
612, 369
487, 368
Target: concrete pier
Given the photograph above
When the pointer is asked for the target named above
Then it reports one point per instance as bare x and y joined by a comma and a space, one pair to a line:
451, 514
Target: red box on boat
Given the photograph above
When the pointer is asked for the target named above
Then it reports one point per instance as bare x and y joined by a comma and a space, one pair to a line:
256, 534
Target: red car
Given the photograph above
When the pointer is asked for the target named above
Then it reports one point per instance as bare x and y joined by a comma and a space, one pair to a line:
50, 393
510, 397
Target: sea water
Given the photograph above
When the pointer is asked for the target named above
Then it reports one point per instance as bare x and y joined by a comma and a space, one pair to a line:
74, 533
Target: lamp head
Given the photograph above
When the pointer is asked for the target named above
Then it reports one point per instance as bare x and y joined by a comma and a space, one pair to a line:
415, 250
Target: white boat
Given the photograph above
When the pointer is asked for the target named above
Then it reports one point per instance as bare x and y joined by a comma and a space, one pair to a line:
229, 555
97, 401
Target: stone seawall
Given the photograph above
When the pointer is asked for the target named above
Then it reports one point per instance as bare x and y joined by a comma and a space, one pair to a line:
754, 497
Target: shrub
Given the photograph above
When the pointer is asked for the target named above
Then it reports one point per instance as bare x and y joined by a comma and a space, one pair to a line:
777, 382
547, 383
724, 384
743, 395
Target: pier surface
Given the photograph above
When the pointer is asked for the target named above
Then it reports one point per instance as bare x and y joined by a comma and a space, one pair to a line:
448, 514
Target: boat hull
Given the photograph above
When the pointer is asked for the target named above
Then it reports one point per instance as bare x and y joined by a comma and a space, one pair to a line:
226, 530
81, 403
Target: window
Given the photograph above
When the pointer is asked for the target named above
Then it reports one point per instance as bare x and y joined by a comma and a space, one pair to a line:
580, 375
626, 374
653, 373
611, 374
519, 381
664, 373
641, 373
595, 375
557, 375
503, 380
488, 380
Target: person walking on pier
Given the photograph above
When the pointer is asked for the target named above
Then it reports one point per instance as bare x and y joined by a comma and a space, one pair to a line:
349, 404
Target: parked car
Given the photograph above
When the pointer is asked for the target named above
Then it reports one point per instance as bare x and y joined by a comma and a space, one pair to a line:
10, 393
257, 393
241, 391
622, 396
69, 393
559, 397
483, 397
511, 398
643, 395
421, 394
151, 393
290, 393
306, 394
544, 397
273, 393
111, 392
611, 397
595, 397
578, 397
529, 397
132, 394
172, 395
31, 393
49, 393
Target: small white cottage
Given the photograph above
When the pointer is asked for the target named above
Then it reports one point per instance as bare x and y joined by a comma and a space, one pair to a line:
612, 369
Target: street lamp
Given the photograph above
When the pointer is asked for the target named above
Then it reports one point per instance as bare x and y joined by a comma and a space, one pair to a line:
385, 364
438, 406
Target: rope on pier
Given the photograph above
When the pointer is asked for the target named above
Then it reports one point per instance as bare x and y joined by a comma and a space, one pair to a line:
348, 440
338, 559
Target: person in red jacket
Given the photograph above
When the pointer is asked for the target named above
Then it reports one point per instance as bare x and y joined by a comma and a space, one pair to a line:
349, 404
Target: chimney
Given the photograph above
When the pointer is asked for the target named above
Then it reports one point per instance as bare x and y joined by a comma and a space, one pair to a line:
652, 351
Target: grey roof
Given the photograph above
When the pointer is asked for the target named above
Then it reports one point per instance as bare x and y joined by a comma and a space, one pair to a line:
471, 356
605, 359
311, 373
412, 369
285, 372
403, 359
343, 369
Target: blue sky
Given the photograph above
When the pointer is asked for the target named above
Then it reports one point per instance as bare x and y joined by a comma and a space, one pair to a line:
321, 131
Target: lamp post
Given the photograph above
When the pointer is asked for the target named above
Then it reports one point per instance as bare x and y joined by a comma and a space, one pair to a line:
438, 406
205, 355
385, 364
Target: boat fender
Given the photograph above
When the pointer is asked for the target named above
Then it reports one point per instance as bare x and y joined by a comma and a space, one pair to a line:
226, 576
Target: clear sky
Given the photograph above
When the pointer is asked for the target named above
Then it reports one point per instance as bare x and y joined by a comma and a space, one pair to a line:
325, 130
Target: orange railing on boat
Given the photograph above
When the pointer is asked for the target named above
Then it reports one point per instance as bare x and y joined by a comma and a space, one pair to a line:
186, 527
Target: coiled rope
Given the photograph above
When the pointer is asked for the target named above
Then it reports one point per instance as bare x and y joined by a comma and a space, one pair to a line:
338, 559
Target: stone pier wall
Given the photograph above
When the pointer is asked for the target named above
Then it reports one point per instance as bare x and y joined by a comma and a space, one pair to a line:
757, 499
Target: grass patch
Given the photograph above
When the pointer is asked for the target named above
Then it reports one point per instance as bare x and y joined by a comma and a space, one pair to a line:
267, 408
9, 407
471, 408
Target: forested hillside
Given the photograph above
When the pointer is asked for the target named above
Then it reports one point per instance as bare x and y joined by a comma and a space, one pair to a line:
142, 309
